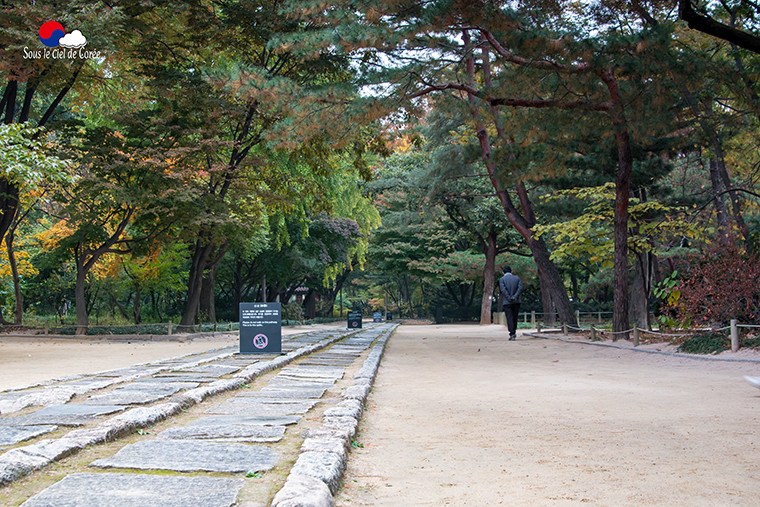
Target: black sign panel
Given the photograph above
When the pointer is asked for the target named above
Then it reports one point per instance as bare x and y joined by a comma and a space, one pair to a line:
377, 317
355, 320
260, 328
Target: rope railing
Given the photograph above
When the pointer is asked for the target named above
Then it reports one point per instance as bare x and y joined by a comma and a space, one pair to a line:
637, 331
159, 328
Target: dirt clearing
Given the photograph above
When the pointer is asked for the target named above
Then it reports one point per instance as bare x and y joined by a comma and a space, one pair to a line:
460, 416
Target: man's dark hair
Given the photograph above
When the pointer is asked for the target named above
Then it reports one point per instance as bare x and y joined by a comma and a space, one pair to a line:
507, 269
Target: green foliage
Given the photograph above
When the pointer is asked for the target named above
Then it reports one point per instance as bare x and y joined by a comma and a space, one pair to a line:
668, 290
26, 159
292, 311
706, 343
590, 235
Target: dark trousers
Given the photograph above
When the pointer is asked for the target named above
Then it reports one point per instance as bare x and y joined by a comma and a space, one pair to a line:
511, 312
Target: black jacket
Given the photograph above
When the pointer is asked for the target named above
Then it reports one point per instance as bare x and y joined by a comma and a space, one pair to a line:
510, 288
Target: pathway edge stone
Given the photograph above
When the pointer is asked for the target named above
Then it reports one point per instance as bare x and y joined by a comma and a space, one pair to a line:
319, 469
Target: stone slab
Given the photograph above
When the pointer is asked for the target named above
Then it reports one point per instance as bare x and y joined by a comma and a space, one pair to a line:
128, 372
320, 377
276, 392
198, 377
72, 414
328, 362
314, 371
255, 406
217, 370
192, 456
133, 395
280, 381
168, 382
227, 433
220, 420
137, 490
10, 435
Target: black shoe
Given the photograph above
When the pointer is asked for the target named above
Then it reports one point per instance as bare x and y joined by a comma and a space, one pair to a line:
512, 337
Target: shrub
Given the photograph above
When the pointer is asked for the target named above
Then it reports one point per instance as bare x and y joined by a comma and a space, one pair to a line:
719, 286
292, 311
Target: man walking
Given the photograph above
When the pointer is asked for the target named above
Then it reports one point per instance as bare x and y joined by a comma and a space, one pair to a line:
510, 287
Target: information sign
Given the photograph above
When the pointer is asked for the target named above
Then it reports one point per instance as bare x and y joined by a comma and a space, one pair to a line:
355, 320
260, 328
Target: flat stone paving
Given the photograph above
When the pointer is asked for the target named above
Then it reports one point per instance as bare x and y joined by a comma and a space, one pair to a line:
131, 490
236, 437
192, 456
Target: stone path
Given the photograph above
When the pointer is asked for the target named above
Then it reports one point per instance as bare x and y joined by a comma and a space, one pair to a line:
205, 461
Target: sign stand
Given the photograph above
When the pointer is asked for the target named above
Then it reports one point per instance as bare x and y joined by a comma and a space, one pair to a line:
260, 328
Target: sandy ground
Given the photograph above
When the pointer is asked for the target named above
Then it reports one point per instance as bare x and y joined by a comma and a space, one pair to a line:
460, 416
31, 360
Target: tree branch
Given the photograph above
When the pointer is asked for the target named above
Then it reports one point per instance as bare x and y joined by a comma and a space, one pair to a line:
709, 26
524, 62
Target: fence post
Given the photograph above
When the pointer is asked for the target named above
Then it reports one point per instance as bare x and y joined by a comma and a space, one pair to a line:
599, 316
564, 328
525, 317
170, 328
593, 333
533, 318
578, 317
538, 327
734, 336
46, 328
635, 335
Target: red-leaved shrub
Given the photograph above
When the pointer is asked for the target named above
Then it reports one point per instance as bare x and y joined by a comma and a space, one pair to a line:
720, 285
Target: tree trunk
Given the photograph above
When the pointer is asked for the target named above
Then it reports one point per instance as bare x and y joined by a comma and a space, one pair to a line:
9, 195
310, 304
194, 284
489, 278
639, 310
546, 300
622, 194
716, 146
408, 292
137, 307
207, 301
721, 212
156, 308
80, 299
18, 312
328, 301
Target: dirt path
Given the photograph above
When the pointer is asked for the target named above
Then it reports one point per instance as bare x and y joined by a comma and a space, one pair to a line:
460, 416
